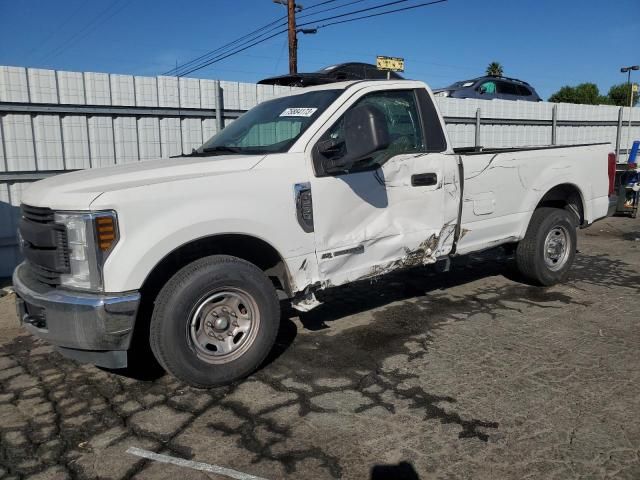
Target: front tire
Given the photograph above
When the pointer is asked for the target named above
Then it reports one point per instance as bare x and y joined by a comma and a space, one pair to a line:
548, 249
215, 321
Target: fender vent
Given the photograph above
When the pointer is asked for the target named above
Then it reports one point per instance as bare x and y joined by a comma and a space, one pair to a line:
304, 206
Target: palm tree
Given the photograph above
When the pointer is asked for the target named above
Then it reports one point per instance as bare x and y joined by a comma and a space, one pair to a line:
494, 69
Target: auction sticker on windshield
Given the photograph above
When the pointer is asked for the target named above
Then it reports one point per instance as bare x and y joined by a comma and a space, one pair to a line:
298, 112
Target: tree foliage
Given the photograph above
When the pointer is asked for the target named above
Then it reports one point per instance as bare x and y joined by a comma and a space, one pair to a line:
494, 69
619, 95
585, 93
588, 94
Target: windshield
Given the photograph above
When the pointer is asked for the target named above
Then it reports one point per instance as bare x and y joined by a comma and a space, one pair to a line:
328, 69
464, 83
273, 126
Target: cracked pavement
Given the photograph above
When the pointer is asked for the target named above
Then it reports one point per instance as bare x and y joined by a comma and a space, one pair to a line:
465, 374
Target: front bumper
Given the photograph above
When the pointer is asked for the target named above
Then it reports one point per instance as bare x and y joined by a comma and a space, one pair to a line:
88, 327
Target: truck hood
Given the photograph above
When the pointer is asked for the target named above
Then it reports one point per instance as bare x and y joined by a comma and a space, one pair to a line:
77, 190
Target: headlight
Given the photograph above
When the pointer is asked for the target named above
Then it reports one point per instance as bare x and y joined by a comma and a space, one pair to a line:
90, 239
442, 94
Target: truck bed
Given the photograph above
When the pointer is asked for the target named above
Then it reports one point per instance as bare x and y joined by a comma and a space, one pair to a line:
488, 150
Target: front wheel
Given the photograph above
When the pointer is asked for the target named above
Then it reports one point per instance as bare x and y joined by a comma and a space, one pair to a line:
214, 321
546, 253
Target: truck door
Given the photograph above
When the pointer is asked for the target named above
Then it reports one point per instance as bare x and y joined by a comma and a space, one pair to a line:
387, 211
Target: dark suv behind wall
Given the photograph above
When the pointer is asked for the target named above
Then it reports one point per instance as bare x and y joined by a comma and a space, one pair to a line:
330, 74
488, 88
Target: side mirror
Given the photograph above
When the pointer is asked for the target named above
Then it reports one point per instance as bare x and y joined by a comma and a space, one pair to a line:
482, 90
365, 133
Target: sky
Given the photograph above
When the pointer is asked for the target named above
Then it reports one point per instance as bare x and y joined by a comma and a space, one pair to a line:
545, 42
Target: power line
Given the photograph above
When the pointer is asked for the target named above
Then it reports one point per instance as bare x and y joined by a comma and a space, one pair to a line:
255, 41
250, 37
219, 58
207, 59
277, 64
320, 4
102, 17
354, 12
174, 71
188, 68
381, 13
203, 57
329, 9
56, 30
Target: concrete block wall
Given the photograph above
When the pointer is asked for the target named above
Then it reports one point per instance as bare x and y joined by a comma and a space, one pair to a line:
59, 141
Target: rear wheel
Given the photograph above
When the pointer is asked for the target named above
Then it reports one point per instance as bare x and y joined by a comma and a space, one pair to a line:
215, 321
548, 249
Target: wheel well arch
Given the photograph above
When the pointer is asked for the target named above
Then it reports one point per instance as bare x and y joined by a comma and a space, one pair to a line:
247, 247
566, 196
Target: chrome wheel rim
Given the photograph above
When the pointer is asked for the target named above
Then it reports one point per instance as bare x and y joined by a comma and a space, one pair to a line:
557, 247
223, 325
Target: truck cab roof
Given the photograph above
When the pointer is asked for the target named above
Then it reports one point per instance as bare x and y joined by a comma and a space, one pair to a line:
331, 74
362, 84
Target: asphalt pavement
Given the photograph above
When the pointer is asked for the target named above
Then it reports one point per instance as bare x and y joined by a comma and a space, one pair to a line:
421, 375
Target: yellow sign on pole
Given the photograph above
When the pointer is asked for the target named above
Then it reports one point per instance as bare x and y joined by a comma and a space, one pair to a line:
634, 88
393, 64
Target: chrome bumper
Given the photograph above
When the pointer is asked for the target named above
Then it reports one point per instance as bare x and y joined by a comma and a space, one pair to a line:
88, 327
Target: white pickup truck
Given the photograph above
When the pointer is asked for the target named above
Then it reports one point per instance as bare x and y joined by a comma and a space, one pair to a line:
329, 185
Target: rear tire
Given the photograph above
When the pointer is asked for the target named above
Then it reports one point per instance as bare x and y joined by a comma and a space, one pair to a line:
215, 321
546, 253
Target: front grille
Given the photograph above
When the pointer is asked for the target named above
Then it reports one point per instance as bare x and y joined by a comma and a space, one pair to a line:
45, 245
37, 214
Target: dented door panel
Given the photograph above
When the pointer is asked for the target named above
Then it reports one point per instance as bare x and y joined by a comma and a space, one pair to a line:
376, 257
370, 223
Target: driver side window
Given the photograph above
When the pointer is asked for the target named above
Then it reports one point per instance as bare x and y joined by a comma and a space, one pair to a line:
401, 120
488, 87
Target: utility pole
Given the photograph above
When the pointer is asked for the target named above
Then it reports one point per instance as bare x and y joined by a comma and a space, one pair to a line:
293, 38
292, 9
628, 70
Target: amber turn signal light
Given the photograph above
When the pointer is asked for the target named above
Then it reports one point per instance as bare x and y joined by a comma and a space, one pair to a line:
106, 232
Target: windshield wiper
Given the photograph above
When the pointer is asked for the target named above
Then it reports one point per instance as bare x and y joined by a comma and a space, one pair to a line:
210, 151
221, 149
194, 153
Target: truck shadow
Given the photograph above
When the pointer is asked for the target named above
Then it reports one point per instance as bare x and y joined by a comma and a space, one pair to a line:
632, 236
401, 471
407, 284
339, 302
428, 288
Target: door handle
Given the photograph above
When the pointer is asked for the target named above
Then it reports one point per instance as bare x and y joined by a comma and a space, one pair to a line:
424, 179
